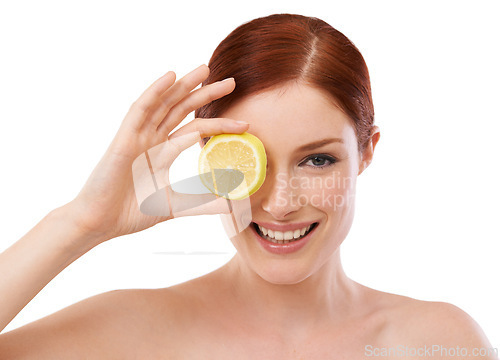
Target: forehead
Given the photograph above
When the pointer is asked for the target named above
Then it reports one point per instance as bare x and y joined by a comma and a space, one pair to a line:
292, 115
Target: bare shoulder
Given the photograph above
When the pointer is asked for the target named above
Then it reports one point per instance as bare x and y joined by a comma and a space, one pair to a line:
111, 325
434, 328
442, 320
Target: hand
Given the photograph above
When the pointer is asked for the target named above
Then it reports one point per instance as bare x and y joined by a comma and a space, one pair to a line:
107, 206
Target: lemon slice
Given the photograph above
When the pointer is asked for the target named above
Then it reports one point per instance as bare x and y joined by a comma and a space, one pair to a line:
243, 153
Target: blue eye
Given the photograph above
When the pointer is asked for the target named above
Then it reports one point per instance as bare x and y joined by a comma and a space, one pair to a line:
319, 161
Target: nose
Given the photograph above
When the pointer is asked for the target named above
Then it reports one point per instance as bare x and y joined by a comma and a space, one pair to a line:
278, 197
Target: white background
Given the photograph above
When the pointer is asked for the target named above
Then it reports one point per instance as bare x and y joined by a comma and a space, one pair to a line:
427, 208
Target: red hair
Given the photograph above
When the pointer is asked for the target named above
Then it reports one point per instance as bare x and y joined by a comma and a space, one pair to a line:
272, 50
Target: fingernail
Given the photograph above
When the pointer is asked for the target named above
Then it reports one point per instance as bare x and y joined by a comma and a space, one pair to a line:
227, 79
239, 122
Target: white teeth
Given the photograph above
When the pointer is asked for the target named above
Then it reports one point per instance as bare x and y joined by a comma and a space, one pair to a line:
285, 237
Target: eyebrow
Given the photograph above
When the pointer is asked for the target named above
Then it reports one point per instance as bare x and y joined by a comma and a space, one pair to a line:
319, 143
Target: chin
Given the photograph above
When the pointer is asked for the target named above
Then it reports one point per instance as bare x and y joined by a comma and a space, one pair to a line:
282, 272
282, 278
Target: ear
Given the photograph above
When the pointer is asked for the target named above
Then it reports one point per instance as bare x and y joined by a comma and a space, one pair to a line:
367, 155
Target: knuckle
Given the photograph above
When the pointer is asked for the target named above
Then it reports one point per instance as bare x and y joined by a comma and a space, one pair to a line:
181, 109
139, 106
195, 126
166, 102
200, 126
183, 86
209, 95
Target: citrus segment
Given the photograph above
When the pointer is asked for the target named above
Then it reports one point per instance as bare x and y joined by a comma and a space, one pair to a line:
243, 153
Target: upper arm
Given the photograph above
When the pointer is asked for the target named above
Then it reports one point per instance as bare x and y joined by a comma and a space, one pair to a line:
94, 328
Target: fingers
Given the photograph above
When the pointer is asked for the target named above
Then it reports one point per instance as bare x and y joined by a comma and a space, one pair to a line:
211, 127
163, 94
176, 93
166, 102
157, 198
171, 117
172, 148
150, 169
142, 106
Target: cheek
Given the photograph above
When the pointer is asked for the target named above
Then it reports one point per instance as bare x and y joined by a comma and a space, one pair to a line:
335, 198
329, 192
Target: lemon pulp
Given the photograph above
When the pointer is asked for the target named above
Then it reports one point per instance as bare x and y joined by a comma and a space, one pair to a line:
241, 152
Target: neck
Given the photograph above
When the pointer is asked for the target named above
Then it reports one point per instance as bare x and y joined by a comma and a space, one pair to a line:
324, 297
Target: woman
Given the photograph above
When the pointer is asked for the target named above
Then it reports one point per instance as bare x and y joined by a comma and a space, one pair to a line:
303, 89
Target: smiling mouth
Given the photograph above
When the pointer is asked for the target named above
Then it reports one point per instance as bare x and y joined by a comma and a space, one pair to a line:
276, 241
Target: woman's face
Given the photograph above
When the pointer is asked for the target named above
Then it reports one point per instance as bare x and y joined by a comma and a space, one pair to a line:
313, 162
